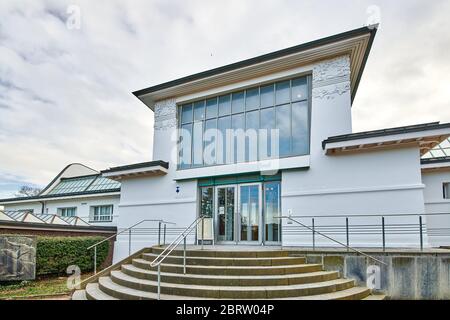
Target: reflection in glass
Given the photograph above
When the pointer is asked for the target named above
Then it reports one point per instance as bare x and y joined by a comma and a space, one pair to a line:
225, 212
284, 127
249, 212
300, 128
282, 92
237, 104
224, 105
185, 146
272, 209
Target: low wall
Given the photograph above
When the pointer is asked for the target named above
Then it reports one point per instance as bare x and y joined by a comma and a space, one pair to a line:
409, 274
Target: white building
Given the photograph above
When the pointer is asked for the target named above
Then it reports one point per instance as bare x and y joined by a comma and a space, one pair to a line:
77, 191
307, 164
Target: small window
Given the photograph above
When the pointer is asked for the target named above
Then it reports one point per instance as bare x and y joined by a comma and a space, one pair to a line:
101, 213
67, 212
26, 211
446, 190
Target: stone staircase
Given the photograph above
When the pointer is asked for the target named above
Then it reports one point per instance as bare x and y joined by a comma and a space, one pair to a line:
220, 274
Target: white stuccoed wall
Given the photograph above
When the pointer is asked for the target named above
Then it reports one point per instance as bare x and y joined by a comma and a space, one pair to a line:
387, 182
156, 197
435, 203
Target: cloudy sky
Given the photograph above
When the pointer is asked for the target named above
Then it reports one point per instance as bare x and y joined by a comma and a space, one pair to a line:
65, 92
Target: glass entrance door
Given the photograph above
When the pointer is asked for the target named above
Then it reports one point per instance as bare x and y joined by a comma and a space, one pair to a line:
249, 213
245, 213
225, 213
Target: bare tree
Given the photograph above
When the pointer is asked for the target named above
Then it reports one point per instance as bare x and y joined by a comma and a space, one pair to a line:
27, 191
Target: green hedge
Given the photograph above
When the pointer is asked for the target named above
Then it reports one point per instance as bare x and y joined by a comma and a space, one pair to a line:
55, 254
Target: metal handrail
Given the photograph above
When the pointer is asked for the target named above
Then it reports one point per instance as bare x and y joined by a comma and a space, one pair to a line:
168, 250
129, 234
398, 215
334, 240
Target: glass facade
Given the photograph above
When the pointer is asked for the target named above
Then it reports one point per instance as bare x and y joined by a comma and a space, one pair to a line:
259, 123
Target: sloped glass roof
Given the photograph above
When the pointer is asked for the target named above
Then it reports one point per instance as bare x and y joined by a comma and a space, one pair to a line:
84, 184
102, 183
72, 185
442, 150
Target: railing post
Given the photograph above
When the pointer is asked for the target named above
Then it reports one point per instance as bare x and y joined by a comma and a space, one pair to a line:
129, 242
184, 256
421, 233
159, 281
347, 233
313, 235
384, 233
165, 227
95, 260
203, 231
159, 233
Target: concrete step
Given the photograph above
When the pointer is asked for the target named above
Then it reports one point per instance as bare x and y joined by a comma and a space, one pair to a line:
376, 297
223, 261
230, 292
232, 280
220, 253
79, 295
230, 270
94, 292
355, 293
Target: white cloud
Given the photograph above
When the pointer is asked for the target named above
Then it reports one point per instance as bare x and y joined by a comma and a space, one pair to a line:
65, 95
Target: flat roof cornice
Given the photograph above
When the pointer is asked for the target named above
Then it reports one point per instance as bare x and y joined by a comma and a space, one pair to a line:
356, 42
426, 136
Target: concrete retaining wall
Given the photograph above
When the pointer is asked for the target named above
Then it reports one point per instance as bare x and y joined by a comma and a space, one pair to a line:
408, 274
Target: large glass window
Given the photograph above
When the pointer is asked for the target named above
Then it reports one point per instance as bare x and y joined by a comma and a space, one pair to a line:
446, 190
258, 123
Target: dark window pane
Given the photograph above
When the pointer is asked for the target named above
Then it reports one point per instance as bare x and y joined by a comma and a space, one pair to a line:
197, 141
223, 125
267, 124
186, 113
210, 137
299, 89
185, 146
207, 202
300, 128
211, 108
238, 125
224, 105
252, 99
267, 96
284, 129
199, 110
251, 141
238, 102
282, 92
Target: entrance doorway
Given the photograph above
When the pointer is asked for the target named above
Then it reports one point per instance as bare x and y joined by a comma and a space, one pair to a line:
244, 213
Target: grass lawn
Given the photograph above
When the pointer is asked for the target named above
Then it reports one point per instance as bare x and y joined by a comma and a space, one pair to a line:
41, 287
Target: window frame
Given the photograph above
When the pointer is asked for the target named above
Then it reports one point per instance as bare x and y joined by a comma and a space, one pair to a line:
92, 215
64, 209
446, 190
273, 83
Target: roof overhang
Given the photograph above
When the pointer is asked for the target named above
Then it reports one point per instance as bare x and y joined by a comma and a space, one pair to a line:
425, 137
356, 43
145, 169
435, 164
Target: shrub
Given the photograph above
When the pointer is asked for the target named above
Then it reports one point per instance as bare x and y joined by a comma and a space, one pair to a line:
55, 254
